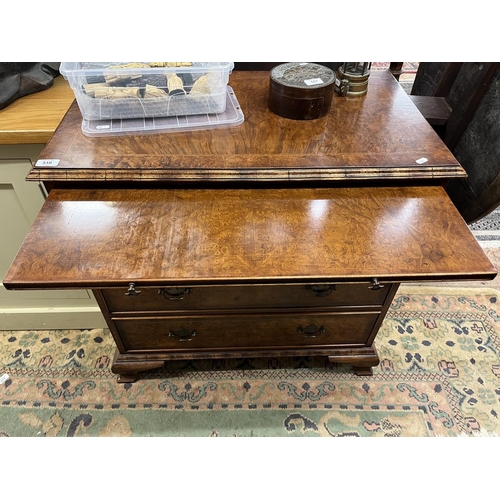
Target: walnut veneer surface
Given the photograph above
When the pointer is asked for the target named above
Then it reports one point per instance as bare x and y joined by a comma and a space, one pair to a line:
109, 237
380, 136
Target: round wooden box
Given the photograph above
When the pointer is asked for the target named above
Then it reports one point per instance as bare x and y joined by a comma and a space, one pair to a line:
301, 91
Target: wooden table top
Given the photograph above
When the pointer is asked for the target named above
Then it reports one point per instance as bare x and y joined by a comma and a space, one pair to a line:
109, 237
34, 118
379, 136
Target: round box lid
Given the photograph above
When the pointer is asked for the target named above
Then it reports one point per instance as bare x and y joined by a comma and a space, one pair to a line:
307, 76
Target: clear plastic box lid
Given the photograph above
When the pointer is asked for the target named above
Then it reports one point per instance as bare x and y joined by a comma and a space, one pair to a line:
68, 69
232, 116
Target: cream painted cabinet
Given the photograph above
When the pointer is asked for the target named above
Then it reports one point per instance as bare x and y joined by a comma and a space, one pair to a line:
20, 202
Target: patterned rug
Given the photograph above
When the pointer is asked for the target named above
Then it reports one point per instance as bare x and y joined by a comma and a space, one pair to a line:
439, 376
487, 230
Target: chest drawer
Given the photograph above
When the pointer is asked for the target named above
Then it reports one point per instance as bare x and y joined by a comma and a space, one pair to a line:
244, 297
245, 331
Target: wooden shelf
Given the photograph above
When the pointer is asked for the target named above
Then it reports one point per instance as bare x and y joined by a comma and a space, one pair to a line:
34, 118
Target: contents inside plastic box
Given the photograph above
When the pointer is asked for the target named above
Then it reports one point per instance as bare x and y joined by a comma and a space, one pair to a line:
230, 117
111, 90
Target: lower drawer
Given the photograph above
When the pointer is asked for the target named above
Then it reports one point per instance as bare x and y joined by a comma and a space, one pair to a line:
245, 331
245, 297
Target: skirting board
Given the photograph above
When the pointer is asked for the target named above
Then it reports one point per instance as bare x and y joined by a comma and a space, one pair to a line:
51, 318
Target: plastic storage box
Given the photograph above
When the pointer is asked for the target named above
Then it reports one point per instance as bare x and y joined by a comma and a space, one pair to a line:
120, 90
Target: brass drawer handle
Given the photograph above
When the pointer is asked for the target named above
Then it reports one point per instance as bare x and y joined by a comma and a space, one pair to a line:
182, 335
174, 293
311, 330
132, 292
320, 290
375, 284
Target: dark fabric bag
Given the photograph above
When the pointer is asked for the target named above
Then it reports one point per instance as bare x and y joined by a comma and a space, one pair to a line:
18, 79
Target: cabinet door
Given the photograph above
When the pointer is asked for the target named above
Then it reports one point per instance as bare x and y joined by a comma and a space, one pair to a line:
20, 202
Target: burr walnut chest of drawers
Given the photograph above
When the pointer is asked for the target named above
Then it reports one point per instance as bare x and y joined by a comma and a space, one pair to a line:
273, 238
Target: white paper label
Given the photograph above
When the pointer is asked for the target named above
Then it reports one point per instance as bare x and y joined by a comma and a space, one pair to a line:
99, 127
47, 163
421, 160
4, 378
314, 81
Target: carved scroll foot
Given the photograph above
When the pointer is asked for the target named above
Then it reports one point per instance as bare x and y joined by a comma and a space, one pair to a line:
128, 370
363, 371
362, 359
123, 379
